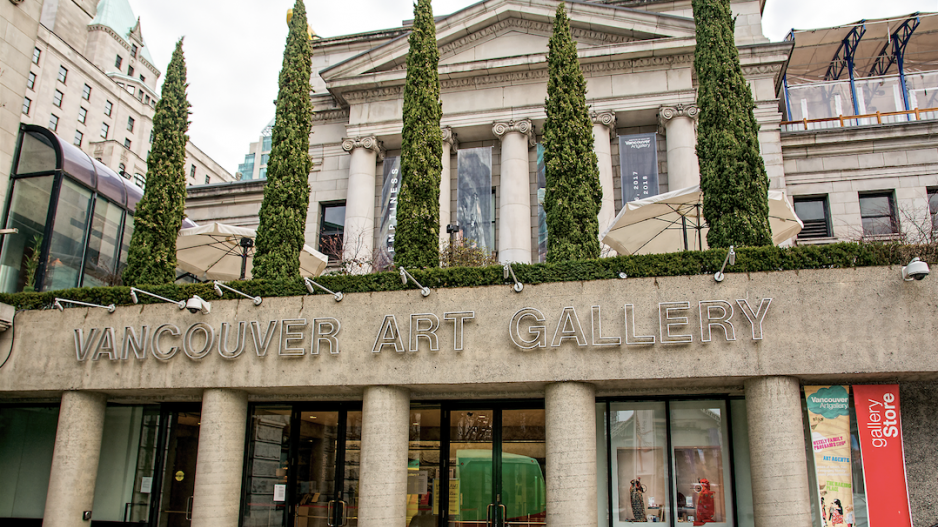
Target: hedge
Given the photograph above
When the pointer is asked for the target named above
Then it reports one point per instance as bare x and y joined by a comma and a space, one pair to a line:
688, 263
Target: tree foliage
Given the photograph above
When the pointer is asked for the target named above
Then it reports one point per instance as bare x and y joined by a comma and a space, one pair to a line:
152, 255
573, 194
732, 173
280, 235
416, 241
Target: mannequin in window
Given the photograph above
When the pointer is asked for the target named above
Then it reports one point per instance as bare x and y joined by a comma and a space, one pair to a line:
704, 503
637, 497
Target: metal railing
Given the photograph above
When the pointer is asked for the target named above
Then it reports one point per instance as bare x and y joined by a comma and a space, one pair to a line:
852, 120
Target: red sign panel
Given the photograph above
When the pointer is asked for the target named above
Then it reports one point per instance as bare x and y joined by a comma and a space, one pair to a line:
880, 428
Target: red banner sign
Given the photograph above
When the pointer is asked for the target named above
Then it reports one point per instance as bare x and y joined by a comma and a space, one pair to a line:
880, 428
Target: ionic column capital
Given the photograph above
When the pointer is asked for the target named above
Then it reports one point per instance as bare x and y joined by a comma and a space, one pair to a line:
524, 127
667, 113
368, 143
607, 119
449, 136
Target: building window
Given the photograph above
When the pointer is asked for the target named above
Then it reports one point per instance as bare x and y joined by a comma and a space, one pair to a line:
107, 108
36, 54
31, 80
86, 93
878, 212
78, 137
151, 137
139, 180
118, 62
105, 128
82, 115
146, 99
192, 172
814, 213
332, 230
206, 180
127, 143
57, 99
143, 79
133, 50
130, 71
54, 122
26, 104
63, 74
262, 173
264, 159
266, 146
130, 124
122, 169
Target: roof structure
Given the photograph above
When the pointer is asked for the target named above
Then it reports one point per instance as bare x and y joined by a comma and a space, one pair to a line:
118, 15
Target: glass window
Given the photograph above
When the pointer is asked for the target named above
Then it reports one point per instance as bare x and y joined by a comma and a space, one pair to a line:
268, 463
36, 154
133, 50
82, 115
140, 180
266, 144
105, 128
78, 138
68, 237
27, 439
933, 208
143, 79
54, 122
29, 205
130, 124
26, 104
86, 93
264, 159
247, 168
878, 212
130, 71
63, 74
125, 241
262, 173
31, 80
57, 98
206, 180
151, 136
108, 105
192, 172
36, 54
127, 143
814, 214
423, 466
331, 230
101, 256
121, 168
118, 61
701, 462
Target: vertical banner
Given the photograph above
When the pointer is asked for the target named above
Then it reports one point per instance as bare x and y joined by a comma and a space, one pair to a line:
475, 212
392, 185
541, 215
829, 419
638, 166
880, 428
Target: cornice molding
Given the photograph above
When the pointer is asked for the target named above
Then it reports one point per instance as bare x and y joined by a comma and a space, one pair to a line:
331, 115
524, 127
762, 69
368, 143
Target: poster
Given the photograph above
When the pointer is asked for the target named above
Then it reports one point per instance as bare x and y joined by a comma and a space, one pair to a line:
638, 166
475, 208
829, 419
388, 220
541, 215
880, 428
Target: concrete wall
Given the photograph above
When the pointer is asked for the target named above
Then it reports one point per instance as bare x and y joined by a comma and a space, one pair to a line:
919, 422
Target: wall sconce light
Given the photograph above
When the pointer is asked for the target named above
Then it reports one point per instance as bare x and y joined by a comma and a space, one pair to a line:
219, 286
425, 291
916, 270
133, 295
731, 259
197, 305
518, 287
58, 305
338, 296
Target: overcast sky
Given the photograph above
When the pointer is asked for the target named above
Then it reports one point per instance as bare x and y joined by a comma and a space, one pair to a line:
234, 48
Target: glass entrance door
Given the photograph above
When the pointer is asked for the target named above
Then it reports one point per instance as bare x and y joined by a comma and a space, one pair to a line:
180, 449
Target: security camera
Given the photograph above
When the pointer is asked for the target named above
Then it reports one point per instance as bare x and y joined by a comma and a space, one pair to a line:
197, 305
916, 270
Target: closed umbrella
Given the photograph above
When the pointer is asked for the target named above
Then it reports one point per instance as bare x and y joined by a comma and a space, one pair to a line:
674, 222
217, 251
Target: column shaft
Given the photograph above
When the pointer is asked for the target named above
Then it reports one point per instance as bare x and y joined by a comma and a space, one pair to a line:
603, 125
780, 493
514, 201
359, 233
570, 409
383, 471
683, 168
449, 141
75, 459
216, 500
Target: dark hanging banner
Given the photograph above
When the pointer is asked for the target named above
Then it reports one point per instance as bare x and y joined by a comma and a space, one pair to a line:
392, 185
475, 204
541, 216
638, 166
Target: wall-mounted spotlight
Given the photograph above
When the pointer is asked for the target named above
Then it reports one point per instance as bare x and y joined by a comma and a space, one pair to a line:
219, 286
916, 270
197, 305
425, 291
622, 275
133, 295
509, 271
338, 296
731, 259
58, 305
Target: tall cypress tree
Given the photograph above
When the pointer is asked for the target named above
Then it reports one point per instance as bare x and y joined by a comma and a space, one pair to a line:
152, 255
573, 194
283, 212
416, 241
732, 173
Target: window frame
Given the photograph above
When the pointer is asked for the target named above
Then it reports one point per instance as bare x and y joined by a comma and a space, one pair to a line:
82, 114
57, 98
27, 105
893, 215
119, 61
130, 70
53, 122
79, 137
130, 124
108, 107
37, 53
932, 192
63, 74
333, 257
105, 129
31, 81
86, 93
127, 143
133, 50
806, 233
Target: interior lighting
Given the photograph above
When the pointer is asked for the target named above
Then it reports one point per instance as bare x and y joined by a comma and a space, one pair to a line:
518, 287
58, 305
219, 286
731, 259
133, 295
338, 296
425, 291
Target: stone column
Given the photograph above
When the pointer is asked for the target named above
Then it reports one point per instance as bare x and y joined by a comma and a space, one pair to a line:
359, 234
570, 411
604, 129
680, 129
514, 201
450, 143
75, 459
383, 472
780, 493
219, 467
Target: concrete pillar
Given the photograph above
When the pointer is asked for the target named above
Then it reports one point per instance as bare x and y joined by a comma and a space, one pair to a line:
450, 143
604, 129
216, 500
514, 201
780, 493
679, 124
359, 235
383, 472
570, 411
75, 459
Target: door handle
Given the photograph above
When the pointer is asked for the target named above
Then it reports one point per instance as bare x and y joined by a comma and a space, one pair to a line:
330, 509
488, 514
344, 513
189, 508
504, 510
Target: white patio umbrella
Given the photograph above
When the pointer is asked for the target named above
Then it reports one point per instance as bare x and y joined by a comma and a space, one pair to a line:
674, 222
224, 252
